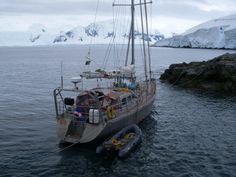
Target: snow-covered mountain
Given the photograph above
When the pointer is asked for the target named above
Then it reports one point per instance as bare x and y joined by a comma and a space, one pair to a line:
218, 33
97, 33
35, 34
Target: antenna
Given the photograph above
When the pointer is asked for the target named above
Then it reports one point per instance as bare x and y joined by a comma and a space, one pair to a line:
61, 74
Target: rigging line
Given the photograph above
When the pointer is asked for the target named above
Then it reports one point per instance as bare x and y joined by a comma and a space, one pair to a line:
119, 40
112, 39
127, 52
95, 19
140, 41
107, 54
99, 66
116, 25
125, 31
148, 44
109, 45
115, 51
119, 47
129, 43
151, 9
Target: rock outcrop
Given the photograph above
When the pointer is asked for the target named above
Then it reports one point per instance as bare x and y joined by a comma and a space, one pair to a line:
218, 74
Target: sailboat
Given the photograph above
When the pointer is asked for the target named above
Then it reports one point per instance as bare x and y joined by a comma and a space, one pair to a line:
99, 112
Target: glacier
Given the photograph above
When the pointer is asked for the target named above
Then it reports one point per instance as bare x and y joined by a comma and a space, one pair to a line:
215, 34
96, 33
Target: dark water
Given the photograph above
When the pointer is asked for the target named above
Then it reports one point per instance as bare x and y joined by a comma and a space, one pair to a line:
188, 133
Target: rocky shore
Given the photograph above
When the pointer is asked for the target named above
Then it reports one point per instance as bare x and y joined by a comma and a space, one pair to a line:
218, 74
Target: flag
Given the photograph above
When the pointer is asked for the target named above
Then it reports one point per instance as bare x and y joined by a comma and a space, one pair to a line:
87, 62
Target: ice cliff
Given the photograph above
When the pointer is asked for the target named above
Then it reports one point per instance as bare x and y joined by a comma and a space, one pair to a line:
218, 33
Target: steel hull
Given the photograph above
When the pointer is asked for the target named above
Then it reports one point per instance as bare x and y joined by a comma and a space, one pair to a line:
133, 114
133, 117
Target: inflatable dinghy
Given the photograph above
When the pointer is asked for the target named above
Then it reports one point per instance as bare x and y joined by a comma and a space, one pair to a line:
122, 143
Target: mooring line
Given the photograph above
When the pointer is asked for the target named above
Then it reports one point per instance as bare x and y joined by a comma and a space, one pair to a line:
60, 150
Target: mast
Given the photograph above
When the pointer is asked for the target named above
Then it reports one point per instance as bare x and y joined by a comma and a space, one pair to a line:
132, 35
132, 32
127, 52
144, 48
148, 43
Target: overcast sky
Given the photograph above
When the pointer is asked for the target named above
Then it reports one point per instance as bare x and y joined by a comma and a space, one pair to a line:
168, 15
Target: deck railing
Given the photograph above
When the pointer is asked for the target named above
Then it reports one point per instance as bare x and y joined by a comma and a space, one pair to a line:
137, 97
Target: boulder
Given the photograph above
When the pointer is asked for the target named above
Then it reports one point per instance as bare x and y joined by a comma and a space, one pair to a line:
218, 74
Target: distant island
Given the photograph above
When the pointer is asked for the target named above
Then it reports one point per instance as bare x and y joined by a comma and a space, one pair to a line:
218, 74
215, 34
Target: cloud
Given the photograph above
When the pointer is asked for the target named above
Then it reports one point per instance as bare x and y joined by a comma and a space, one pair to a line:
47, 7
183, 8
168, 15
195, 9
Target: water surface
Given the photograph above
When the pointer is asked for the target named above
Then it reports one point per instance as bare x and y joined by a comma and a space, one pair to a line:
189, 133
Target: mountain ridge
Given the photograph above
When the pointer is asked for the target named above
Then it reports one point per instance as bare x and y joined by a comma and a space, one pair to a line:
97, 33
